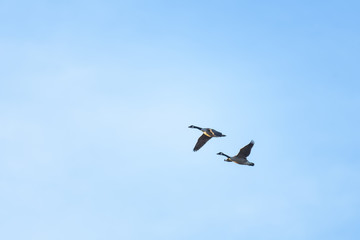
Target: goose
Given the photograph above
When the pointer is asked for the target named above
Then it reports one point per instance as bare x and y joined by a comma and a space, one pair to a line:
208, 133
241, 157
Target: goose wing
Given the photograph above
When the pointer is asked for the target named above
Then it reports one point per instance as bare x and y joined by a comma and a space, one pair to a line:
245, 151
201, 142
216, 133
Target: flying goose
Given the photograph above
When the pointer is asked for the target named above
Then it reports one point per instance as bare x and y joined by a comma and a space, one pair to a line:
241, 157
208, 133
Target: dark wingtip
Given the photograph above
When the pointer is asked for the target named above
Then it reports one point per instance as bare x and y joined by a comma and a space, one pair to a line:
223, 135
219, 153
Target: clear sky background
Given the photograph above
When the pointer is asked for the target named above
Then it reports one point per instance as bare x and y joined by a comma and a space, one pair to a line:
96, 98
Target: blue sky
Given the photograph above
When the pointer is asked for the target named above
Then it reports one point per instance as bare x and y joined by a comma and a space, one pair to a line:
96, 97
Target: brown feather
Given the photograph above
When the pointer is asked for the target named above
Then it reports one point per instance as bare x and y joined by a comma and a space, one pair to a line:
201, 142
245, 151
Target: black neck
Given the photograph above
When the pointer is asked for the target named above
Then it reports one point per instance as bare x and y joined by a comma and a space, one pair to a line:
225, 155
197, 127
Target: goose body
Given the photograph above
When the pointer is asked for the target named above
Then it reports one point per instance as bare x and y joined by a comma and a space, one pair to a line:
208, 133
241, 157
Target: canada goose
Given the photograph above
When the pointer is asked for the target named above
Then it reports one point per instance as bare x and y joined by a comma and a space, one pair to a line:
241, 157
208, 133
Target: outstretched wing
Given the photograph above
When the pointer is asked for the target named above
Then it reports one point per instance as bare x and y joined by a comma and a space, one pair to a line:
245, 151
201, 142
216, 133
